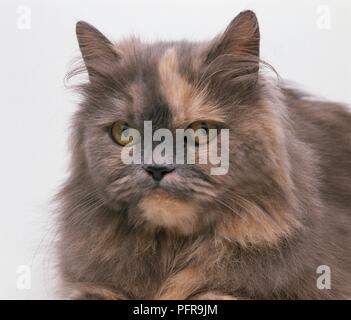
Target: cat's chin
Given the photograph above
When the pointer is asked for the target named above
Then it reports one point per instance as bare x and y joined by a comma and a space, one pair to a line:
162, 209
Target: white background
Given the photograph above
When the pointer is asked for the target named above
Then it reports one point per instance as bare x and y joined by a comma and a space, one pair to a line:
35, 106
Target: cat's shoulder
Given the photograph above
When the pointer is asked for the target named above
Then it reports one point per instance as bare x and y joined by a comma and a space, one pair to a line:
316, 109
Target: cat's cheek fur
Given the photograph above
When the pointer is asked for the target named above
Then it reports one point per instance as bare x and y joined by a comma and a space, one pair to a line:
257, 228
160, 209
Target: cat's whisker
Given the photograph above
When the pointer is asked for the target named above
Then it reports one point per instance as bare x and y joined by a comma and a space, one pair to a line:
228, 207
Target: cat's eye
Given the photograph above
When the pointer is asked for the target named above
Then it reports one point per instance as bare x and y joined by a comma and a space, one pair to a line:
201, 131
120, 132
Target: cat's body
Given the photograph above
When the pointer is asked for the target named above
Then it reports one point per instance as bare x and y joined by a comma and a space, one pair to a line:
261, 231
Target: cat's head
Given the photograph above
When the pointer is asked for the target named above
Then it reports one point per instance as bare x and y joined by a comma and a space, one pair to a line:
177, 85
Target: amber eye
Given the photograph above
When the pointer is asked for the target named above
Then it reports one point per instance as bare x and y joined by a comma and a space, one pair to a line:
120, 132
201, 131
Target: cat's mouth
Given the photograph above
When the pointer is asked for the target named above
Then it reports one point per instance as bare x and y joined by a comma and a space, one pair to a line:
160, 192
171, 185
172, 190
181, 188
164, 191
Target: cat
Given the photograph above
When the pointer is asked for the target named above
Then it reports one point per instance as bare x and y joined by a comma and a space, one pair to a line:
261, 231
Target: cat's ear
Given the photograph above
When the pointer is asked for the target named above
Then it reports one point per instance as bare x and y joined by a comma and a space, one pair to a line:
97, 51
241, 38
232, 59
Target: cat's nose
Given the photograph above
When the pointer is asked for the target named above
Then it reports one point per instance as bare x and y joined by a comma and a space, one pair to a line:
158, 171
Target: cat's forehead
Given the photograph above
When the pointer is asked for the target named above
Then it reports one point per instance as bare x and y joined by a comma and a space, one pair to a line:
164, 89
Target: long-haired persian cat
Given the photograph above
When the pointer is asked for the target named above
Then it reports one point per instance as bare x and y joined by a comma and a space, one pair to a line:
267, 229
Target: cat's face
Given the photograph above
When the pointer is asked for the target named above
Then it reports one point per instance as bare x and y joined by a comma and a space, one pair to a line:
174, 85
